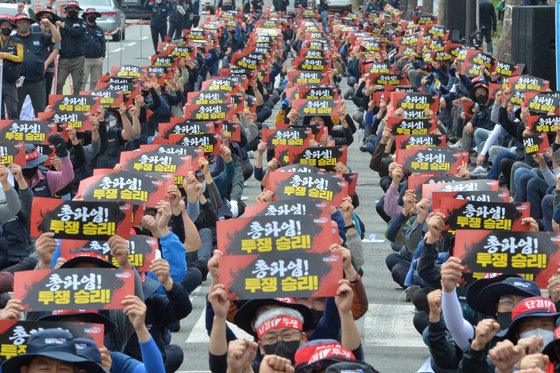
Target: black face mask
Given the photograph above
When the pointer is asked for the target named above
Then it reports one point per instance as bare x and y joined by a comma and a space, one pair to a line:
72, 14
6, 31
91, 19
504, 319
283, 349
482, 99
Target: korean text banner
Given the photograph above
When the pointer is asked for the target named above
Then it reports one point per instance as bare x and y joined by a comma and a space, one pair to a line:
463, 214
142, 250
14, 334
274, 274
136, 187
460, 186
73, 288
437, 160
79, 219
328, 187
534, 255
263, 234
288, 207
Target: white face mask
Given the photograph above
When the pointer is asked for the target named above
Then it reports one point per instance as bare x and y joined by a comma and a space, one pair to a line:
548, 335
113, 123
159, 1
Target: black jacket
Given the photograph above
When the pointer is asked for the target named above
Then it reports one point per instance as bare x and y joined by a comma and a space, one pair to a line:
94, 42
35, 53
162, 310
72, 33
486, 15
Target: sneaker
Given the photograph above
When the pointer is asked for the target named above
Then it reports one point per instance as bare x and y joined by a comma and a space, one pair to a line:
479, 170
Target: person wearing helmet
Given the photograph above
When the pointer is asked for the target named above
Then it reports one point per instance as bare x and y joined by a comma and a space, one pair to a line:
94, 48
36, 46
12, 54
71, 60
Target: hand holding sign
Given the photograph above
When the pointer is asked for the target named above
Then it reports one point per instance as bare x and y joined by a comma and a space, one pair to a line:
435, 225
45, 247
344, 297
135, 309
119, 250
12, 311
160, 268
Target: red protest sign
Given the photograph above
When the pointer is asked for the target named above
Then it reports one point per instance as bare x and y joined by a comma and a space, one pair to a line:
12, 152
287, 274
534, 255
438, 160
73, 288
289, 207
403, 126
408, 141
261, 234
463, 214
460, 185
477, 196
80, 219
136, 187
209, 142
536, 144
328, 187
142, 250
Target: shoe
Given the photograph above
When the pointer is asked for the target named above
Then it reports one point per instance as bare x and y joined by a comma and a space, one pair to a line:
410, 291
479, 170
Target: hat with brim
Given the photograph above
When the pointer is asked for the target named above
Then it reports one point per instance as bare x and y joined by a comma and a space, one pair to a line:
72, 4
550, 348
489, 296
8, 18
23, 16
43, 12
15, 363
32, 157
92, 12
246, 312
87, 257
87, 349
530, 307
89, 316
474, 289
149, 286
55, 344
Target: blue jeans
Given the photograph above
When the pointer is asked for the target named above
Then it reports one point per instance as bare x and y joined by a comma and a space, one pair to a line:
530, 188
495, 171
547, 211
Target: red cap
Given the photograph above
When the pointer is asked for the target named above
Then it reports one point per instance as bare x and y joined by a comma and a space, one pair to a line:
537, 305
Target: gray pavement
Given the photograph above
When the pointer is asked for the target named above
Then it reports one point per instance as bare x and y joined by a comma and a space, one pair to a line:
390, 341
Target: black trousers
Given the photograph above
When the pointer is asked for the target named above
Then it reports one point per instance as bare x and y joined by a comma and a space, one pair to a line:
157, 34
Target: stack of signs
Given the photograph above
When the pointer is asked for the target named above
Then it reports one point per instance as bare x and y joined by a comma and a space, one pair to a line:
73, 288
281, 250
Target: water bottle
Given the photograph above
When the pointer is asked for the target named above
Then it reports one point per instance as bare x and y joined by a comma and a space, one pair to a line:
360, 135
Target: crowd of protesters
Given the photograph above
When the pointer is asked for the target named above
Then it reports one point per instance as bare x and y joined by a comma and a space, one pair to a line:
495, 324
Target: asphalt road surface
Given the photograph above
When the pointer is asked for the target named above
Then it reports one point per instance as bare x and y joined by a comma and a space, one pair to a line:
389, 339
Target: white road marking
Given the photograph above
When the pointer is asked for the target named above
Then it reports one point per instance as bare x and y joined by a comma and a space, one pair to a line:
389, 326
385, 326
199, 335
145, 37
130, 44
116, 50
